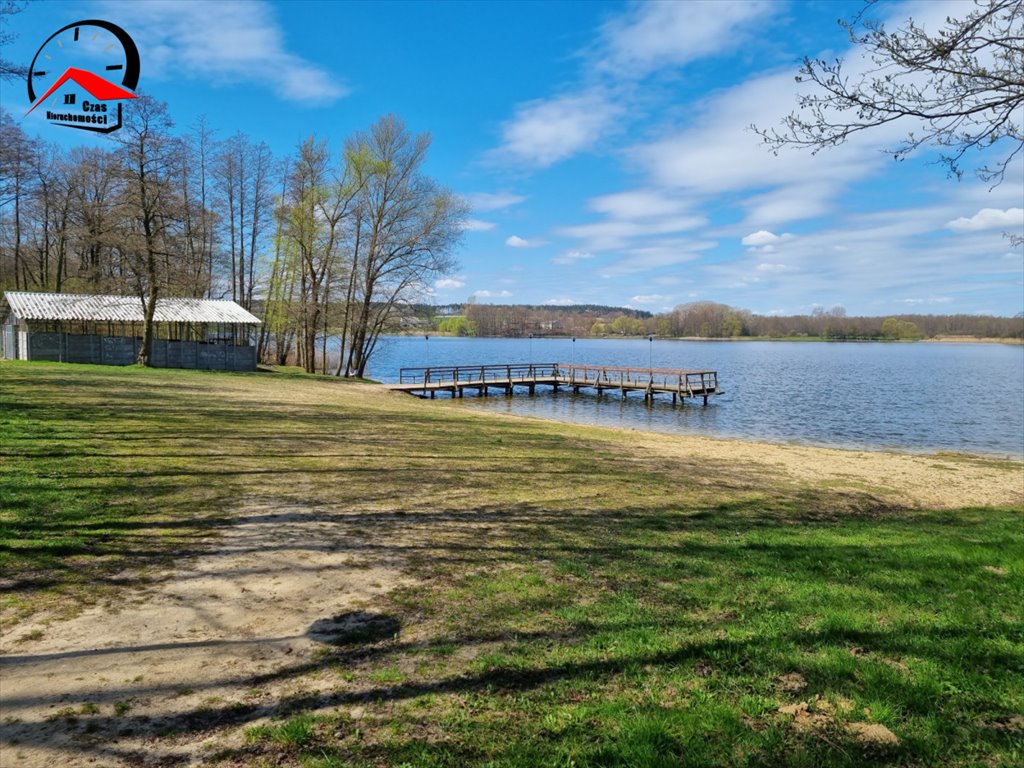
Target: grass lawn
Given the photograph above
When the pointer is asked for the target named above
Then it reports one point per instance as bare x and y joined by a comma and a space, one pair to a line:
576, 601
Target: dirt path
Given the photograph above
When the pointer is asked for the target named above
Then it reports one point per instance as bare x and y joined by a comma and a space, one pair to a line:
218, 644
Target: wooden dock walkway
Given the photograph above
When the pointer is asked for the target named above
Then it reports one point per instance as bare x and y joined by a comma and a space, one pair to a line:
680, 384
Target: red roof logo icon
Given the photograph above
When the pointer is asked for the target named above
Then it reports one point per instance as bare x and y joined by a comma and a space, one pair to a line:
96, 86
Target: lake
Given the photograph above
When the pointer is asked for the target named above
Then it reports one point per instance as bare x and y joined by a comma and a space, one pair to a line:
904, 396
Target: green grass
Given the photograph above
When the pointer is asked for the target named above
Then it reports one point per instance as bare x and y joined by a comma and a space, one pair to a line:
577, 604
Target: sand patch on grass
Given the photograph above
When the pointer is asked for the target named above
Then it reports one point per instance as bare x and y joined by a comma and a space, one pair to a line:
220, 642
912, 480
915, 480
873, 734
819, 715
815, 714
792, 682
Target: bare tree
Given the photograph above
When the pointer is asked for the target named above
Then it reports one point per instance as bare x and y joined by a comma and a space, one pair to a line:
960, 88
46, 166
243, 171
408, 229
148, 156
95, 186
228, 173
199, 236
8, 69
16, 177
261, 166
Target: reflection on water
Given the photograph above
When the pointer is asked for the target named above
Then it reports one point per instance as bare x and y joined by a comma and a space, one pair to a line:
924, 396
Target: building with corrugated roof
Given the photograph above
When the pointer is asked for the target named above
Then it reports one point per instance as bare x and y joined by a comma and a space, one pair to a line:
75, 328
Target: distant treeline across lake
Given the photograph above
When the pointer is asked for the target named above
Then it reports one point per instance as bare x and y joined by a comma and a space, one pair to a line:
705, 319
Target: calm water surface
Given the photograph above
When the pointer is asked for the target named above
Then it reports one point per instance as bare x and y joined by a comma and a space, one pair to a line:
919, 397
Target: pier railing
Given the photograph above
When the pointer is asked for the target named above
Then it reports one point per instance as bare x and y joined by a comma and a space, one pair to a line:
661, 379
466, 374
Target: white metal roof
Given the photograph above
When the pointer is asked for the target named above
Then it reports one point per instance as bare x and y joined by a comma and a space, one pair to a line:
129, 309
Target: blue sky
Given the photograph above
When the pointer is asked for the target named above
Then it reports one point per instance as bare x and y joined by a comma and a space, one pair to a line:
603, 146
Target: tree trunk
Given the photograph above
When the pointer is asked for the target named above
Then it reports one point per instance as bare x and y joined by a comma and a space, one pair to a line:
145, 352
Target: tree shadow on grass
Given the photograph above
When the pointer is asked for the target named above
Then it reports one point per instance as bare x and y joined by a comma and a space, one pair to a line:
507, 687
667, 562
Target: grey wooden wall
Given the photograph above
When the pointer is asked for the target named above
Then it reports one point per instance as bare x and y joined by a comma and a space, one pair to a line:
120, 350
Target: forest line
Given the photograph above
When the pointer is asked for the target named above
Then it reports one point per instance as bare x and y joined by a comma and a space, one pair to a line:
704, 319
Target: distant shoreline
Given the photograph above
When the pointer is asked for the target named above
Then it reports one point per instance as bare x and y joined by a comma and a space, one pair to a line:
972, 340
936, 339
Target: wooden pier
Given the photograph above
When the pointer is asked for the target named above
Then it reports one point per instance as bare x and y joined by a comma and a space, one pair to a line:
679, 384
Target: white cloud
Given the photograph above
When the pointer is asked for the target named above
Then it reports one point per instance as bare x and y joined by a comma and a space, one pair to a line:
669, 252
616, 234
492, 201
519, 242
989, 218
792, 202
634, 219
655, 35
764, 237
651, 298
572, 257
223, 43
764, 241
475, 225
448, 282
544, 131
716, 154
887, 257
645, 39
638, 204
560, 302
492, 294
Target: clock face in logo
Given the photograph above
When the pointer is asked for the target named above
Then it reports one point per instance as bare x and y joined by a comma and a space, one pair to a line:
95, 56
